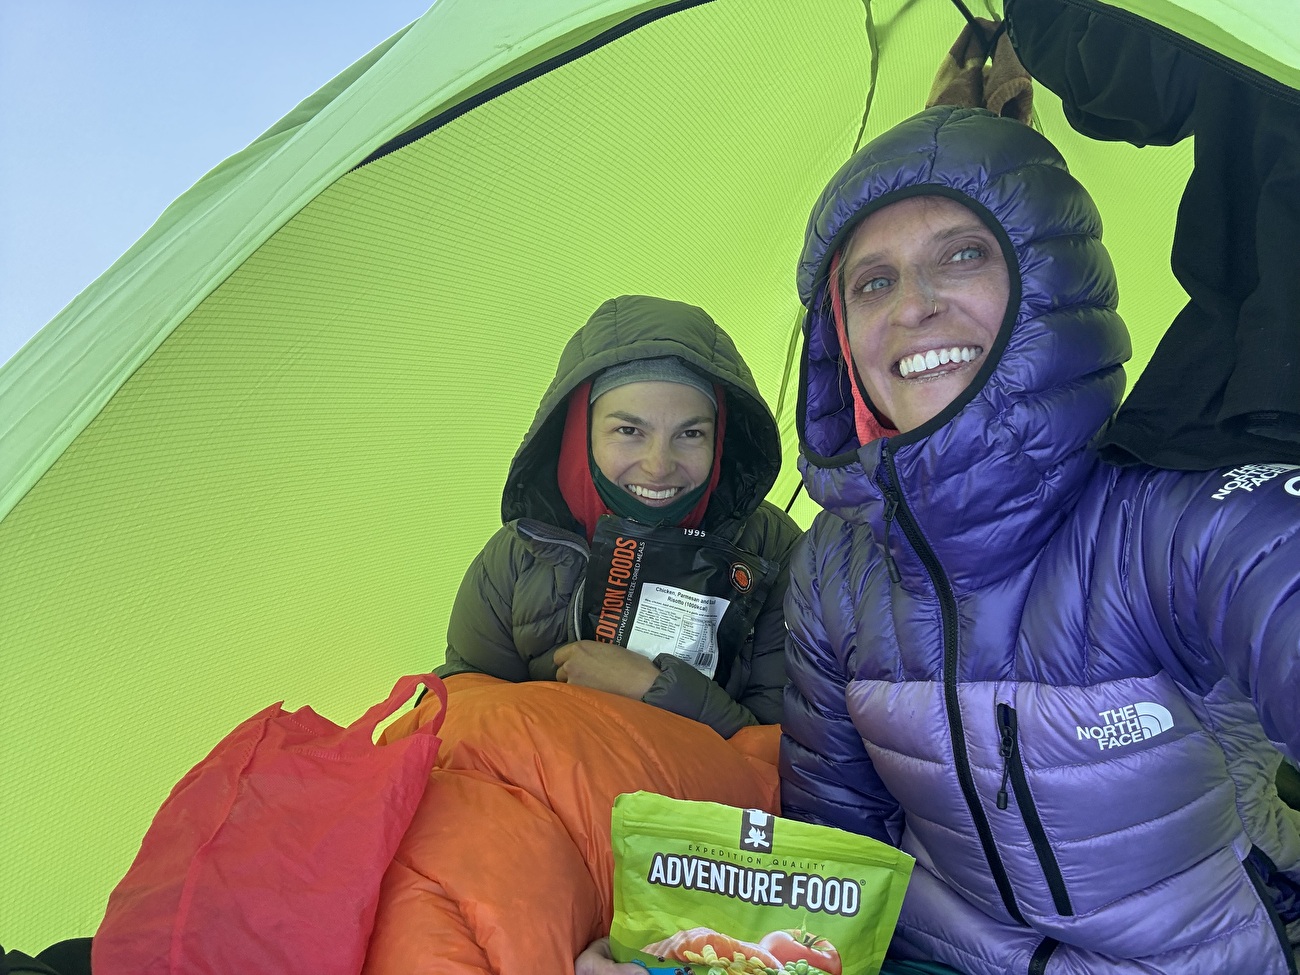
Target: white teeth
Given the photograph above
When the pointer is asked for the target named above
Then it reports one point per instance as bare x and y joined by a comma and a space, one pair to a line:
642, 492
911, 365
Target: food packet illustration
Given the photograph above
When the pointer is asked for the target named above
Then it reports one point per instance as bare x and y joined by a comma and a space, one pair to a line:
681, 591
717, 890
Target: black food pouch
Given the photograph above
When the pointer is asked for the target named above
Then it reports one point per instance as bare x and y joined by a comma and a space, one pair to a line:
680, 591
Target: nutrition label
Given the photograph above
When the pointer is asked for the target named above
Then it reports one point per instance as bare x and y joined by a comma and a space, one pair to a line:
679, 622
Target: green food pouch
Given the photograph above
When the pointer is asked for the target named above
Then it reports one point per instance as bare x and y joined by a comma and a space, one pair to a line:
718, 890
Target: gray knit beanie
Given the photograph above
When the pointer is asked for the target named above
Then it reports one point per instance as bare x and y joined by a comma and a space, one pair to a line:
668, 369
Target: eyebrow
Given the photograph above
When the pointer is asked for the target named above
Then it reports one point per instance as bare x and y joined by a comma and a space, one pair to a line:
640, 421
955, 231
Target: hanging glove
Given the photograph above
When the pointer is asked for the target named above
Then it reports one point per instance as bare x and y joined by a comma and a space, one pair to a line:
981, 70
1008, 89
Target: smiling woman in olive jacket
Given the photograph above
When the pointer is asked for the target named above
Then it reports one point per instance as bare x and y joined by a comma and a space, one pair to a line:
516, 616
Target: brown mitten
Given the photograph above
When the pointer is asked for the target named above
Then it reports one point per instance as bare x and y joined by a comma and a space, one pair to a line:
1008, 89
960, 80
967, 77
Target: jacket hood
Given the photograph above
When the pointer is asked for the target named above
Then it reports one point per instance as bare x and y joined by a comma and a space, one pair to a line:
1011, 451
642, 327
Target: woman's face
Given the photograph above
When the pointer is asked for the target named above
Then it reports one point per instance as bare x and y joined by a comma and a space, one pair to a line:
925, 290
653, 439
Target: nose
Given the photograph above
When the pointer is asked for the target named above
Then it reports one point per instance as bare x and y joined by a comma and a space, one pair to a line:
918, 301
659, 461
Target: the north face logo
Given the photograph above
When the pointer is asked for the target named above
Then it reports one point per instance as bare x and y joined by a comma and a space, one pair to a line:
1129, 724
1251, 476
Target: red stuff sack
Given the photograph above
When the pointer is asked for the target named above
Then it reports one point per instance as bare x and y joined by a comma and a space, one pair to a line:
267, 856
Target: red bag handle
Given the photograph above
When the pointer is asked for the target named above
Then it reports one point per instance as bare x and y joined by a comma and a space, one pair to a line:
402, 692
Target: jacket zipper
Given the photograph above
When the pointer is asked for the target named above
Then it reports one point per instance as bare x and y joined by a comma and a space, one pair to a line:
539, 532
1011, 763
1042, 954
895, 503
891, 512
1006, 750
1265, 896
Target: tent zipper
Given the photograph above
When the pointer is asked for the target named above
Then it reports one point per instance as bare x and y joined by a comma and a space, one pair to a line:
895, 502
421, 129
1013, 766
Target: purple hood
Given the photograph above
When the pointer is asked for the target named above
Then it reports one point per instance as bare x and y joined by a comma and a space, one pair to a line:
1010, 454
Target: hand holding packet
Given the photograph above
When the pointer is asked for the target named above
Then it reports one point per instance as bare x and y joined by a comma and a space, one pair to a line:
712, 888
682, 591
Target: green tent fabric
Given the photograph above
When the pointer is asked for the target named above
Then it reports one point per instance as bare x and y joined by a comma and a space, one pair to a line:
1261, 35
252, 460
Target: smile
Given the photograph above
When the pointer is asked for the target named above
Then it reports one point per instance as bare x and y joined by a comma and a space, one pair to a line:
922, 362
647, 494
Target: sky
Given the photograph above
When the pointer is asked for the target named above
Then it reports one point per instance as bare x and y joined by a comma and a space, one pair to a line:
110, 109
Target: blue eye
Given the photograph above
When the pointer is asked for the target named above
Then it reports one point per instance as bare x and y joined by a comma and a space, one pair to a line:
971, 253
874, 284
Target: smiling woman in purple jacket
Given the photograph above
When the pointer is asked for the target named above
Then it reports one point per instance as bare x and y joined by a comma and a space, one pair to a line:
1064, 687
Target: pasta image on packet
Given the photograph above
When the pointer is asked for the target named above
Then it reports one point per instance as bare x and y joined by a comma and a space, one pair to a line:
717, 890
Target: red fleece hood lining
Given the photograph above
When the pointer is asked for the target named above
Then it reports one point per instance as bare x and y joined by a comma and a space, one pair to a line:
864, 420
574, 469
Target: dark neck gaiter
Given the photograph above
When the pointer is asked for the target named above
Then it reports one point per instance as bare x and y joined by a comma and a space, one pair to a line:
578, 477
626, 505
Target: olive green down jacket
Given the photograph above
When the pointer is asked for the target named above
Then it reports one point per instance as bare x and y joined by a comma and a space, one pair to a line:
516, 605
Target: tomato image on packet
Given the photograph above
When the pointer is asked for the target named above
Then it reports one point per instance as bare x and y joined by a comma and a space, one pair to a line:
800, 945
717, 890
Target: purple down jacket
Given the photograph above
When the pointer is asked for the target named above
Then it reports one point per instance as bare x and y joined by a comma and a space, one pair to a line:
1070, 701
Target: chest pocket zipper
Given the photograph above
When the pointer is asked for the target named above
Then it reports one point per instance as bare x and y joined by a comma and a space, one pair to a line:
1014, 769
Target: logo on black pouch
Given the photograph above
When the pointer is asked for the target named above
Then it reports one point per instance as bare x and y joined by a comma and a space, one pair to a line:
741, 577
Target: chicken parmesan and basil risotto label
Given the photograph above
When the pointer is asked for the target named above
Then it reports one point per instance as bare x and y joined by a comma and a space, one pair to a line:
680, 591
718, 890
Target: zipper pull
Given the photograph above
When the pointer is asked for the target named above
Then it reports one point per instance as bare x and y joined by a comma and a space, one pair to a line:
892, 500
1007, 727
891, 510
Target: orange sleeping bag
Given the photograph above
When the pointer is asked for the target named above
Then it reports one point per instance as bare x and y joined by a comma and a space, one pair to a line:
507, 867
